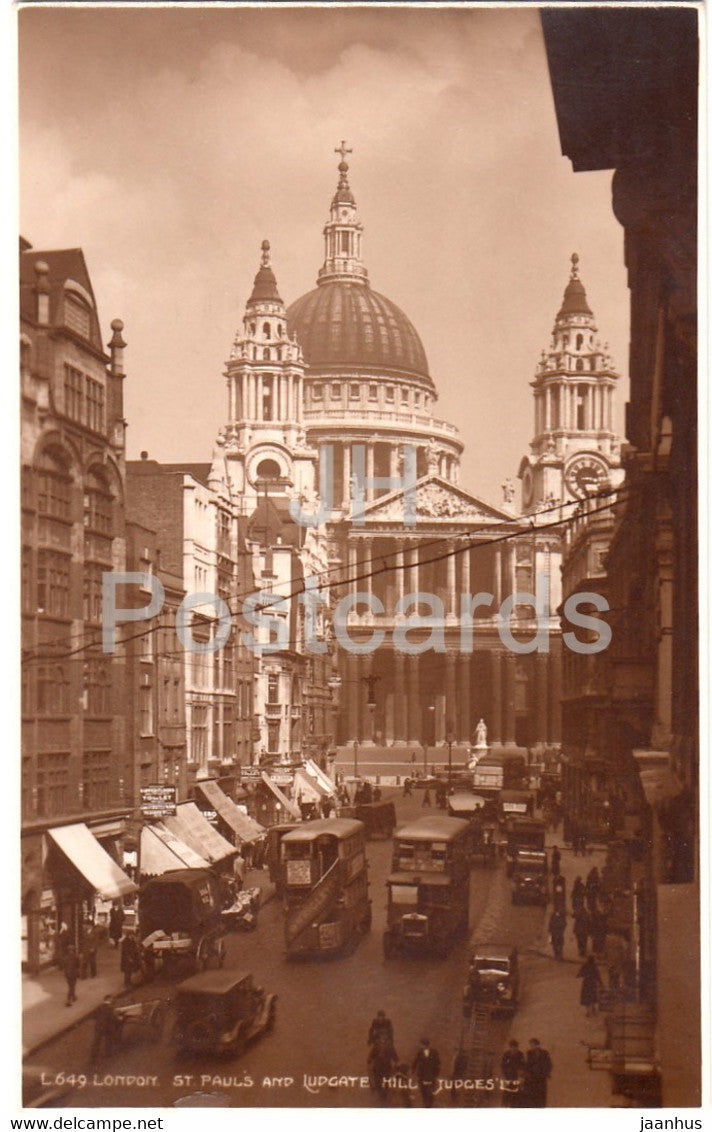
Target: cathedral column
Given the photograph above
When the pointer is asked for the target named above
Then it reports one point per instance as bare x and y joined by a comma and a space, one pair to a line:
370, 464
346, 466
451, 712
511, 569
497, 581
400, 723
541, 681
243, 397
451, 582
494, 723
394, 462
414, 572
547, 409
399, 575
368, 565
463, 727
510, 676
465, 571
414, 707
260, 398
353, 568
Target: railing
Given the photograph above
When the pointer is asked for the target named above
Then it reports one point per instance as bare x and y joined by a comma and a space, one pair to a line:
384, 416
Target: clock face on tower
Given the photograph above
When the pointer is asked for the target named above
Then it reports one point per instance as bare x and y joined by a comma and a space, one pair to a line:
585, 475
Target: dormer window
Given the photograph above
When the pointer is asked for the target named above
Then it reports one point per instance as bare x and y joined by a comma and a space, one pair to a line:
77, 316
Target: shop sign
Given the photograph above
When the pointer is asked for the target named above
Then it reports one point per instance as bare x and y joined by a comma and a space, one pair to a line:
250, 773
158, 801
282, 777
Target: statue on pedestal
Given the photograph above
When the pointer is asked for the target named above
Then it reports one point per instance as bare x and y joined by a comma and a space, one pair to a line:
481, 735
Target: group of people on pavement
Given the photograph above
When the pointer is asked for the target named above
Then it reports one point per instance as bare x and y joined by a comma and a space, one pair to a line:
525, 1077
384, 1065
590, 909
77, 963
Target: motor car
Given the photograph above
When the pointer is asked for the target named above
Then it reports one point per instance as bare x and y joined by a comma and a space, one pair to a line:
492, 980
221, 1012
530, 877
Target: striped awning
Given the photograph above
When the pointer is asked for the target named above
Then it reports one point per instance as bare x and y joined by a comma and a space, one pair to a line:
245, 828
162, 851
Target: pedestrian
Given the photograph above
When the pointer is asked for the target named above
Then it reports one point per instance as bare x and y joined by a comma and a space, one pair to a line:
426, 1067
512, 1066
89, 949
537, 1071
105, 1030
557, 928
583, 841
71, 973
426, 797
559, 894
593, 881
441, 796
555, 862
130, 958
380, 1026
382, 1060
581, 930
578, 896
598, 930
407, 787
116, 923
61, 944
591, 985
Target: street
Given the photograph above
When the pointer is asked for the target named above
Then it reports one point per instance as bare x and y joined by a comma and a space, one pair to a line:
324, 1010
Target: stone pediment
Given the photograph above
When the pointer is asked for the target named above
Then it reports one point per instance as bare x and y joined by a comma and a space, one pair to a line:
435, 499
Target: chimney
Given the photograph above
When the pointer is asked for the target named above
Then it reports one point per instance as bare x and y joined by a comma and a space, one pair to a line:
42, 290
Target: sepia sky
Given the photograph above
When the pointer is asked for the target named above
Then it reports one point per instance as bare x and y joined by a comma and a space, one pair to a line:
168, 143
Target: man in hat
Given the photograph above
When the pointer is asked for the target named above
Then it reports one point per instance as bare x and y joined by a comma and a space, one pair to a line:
427, 1070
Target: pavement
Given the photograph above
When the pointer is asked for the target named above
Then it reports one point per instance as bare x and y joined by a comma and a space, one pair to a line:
565, 1031
45, 1014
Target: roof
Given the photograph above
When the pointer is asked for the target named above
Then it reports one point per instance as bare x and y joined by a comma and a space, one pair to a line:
64, 264
338, 827
199, 472
435, 880
432, 829
574, 301
213, 982
265, 287
467, 802
197, 832
82, 849
189, 877
344, 323
492, 951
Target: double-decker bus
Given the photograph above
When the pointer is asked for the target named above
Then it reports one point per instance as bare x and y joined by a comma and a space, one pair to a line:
429, 886
325, 886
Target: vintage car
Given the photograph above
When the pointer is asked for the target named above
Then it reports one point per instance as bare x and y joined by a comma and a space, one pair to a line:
221, 1012
530, 877
493, 980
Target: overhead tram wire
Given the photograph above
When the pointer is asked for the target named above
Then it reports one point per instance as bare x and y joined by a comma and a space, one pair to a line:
424, 545
476, 544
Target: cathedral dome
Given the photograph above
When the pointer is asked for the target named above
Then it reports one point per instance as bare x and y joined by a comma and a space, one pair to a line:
347, 324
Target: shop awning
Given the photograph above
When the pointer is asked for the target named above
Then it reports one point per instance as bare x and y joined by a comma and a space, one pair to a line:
314, 771
162, 851
288, 806
79, 845
246, 829
190, 826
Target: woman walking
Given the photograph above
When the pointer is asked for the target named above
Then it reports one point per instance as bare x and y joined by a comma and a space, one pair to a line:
591, 985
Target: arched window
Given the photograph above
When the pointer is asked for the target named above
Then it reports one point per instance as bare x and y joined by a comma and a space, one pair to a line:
98, 504
579, 341
267, 330
579, 365
53, 485
268, 469
253, 328
265, 354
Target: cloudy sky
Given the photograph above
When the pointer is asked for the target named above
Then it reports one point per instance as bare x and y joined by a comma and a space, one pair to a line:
168, 143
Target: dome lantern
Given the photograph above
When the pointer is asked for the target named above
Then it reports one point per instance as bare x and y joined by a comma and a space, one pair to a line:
343, 232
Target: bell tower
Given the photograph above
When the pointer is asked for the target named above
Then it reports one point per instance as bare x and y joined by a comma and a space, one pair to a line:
264, 440
574, 451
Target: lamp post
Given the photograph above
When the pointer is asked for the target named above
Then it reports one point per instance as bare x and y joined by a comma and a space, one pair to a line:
449, 741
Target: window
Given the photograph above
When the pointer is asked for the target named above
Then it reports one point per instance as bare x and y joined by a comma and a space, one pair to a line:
336, 391
354, 392
317, 392
97, 506
593, 363
404, 396
96, 779
95, 405
273, 689
273, 737
97, 683
267, 330
76, 316
268, 469
579, 341
53, 488
52, 690
93, 577
52, 783
52, 584
145, 709
416, 399
199, 734
390, 393
73, 393
579, 365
